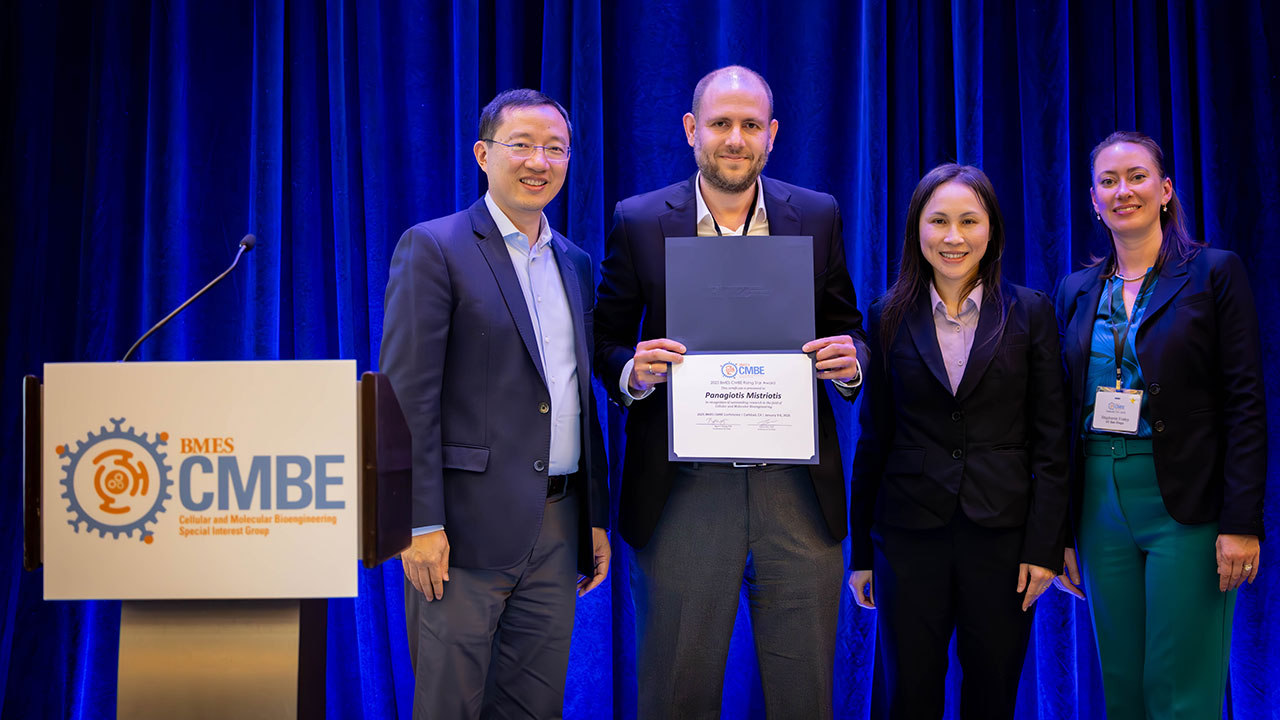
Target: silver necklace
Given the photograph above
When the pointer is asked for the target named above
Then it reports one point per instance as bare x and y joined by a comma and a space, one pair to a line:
1132, 279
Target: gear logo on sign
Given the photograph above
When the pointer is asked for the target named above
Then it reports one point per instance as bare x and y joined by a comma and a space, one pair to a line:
728, 370
116, 481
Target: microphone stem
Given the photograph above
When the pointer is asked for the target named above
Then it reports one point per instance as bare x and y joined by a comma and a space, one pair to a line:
183, 306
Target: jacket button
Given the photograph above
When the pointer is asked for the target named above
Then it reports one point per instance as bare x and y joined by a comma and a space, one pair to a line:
1155, 388
956, 416
1159, 426
544, 408
957, 454
539, 465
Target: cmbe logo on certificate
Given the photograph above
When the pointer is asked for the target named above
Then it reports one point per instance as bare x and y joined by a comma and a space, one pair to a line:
732, 370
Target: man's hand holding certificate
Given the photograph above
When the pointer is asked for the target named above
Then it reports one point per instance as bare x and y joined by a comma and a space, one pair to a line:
835, 358
652, 363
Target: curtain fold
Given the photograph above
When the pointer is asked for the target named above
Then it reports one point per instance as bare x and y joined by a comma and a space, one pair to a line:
142, 140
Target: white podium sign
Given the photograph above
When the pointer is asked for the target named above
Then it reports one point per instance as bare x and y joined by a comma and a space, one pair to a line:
204, 480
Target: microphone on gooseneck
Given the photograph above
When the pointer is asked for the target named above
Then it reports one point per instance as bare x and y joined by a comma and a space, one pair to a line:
246, 244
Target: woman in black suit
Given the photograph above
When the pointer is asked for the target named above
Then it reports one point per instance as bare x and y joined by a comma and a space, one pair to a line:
960, 479
1169, 435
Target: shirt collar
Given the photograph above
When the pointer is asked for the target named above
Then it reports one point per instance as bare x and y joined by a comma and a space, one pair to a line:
974, 300
508, 228
704, 213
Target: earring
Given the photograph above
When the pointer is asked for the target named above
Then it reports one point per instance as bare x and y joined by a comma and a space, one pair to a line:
1098, 215
1164, 208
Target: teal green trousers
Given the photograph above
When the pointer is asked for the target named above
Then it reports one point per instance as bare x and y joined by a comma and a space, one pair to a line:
1162, 626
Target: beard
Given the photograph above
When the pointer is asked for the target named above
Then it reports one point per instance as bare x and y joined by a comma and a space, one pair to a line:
718, 180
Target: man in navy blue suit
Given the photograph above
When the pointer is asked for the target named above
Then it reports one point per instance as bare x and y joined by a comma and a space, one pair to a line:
487, 342
700, 529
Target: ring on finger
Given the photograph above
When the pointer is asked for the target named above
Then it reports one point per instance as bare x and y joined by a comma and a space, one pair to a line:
1248, 567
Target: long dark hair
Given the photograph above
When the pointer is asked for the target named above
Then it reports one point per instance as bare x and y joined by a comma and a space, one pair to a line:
914, 272
1176, 243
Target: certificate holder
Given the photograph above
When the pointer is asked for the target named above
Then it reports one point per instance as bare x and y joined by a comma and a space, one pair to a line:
743, 307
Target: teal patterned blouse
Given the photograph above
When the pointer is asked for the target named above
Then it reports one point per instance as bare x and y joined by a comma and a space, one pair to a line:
1102, 351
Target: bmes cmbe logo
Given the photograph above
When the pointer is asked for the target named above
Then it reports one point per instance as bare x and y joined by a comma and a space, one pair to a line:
116, 481
732, 370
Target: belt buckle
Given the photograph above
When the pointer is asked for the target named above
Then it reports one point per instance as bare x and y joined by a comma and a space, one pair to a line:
556, 488
1118, 449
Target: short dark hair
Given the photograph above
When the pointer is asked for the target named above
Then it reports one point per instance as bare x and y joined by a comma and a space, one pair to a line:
1176, 241
491, 116
914, 272
707, 79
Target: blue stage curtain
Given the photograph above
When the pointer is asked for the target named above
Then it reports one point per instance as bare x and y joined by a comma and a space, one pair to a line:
141, 140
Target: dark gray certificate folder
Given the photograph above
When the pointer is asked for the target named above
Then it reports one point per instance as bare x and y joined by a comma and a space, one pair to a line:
740, 293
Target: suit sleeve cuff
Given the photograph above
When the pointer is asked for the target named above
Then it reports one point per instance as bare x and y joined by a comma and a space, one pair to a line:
847, 388
627, 396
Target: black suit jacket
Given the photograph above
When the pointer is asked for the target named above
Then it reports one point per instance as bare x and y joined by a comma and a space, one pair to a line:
631, 306
1199, 352
459, 349
996, 449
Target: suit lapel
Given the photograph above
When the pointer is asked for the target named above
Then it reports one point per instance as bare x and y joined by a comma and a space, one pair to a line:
783, 217
681, 217
494, 249
925, 336
986, 339
1170, 282
1084, 315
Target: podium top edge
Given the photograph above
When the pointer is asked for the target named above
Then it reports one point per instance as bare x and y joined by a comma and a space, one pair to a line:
206, 363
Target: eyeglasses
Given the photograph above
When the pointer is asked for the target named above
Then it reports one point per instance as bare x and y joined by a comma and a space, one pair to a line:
524, 151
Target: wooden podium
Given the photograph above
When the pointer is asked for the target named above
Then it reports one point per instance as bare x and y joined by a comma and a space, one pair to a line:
224, 503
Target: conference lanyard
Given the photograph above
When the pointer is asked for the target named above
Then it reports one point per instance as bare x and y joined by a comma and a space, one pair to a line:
1120, 332
746, 225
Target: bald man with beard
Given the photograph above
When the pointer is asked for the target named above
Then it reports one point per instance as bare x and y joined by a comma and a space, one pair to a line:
699, 530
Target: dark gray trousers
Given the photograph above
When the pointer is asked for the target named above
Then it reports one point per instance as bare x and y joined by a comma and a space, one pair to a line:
721, 526
497, 644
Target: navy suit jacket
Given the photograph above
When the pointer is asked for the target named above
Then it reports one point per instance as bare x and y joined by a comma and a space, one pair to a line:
1200, 356
631, 307
459, 349
996, 449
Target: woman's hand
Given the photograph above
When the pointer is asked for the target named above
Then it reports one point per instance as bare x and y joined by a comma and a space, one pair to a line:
1035, 580
864, 588
1238, 560
1069, 580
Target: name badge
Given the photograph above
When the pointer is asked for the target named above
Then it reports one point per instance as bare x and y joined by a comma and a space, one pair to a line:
1117, 411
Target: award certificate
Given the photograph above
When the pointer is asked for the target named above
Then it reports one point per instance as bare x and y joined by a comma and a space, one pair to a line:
744, 407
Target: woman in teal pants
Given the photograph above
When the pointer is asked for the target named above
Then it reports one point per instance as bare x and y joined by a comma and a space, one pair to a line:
1160, 339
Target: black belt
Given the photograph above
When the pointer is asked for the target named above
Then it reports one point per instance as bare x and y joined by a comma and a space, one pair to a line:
557, 485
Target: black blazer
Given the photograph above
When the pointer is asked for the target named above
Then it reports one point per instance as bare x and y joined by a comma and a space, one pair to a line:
996, 449
1199, 352
459, 349
631, 306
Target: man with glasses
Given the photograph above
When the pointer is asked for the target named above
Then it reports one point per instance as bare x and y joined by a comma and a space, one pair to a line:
486, 343
700, 529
